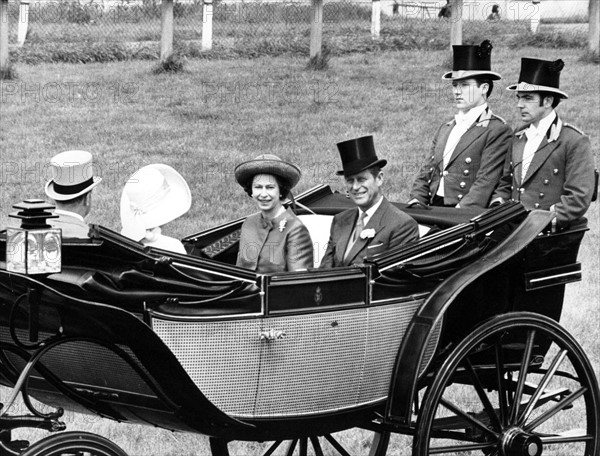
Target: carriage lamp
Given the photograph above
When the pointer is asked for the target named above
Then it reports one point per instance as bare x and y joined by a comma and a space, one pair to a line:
35, 247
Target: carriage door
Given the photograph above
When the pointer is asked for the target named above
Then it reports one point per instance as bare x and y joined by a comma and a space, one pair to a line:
312, 352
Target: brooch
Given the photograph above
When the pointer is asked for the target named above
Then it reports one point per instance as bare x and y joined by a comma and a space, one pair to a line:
282, 224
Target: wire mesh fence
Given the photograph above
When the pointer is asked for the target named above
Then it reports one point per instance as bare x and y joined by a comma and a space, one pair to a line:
272, 22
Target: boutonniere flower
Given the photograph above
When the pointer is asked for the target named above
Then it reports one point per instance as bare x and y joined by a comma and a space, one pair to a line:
282, 224
369, 233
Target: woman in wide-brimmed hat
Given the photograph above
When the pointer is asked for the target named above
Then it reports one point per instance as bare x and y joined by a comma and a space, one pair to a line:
152, 197
274, 239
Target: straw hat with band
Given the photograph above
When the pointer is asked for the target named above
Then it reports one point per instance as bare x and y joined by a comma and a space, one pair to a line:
267, 164
153, 196
471, 61
539, 76
72, 175
358, 155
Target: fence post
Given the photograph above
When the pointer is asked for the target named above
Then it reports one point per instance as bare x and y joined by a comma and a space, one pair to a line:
23, 22
316, 28
456, 11
594, 31
536, 16
207, 23
4, 62
375, 19
166, 29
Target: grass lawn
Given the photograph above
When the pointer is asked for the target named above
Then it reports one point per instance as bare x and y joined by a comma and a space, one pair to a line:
218, 113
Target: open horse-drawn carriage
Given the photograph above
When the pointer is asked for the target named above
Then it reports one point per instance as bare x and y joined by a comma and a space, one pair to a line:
454, 340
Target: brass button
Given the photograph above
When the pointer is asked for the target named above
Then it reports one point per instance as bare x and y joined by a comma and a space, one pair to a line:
511, 163
555, 171
541, 195
521, 190
536, 205
511, 174
462, 185
429, 181
546, 181
466, 172
468, 160
459, 196
512, 187
445, 173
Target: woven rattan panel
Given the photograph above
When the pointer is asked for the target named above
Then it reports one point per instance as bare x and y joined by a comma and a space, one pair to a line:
387, 326
317, 367
221, 357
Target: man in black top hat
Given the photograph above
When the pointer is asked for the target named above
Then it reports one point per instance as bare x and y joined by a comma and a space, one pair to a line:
551, 166
377, 225
468, 153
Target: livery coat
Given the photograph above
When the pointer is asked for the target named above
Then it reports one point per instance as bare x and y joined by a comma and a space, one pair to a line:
561, 174
283, 244
392, 228
474, 168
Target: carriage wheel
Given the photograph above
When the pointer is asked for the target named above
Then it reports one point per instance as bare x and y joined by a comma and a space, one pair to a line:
74, 444
346, 443
519, 385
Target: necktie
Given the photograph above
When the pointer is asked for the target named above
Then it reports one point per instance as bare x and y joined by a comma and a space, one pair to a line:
531, 146
360, 225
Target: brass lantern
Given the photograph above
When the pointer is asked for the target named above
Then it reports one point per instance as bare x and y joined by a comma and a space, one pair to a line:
35, 247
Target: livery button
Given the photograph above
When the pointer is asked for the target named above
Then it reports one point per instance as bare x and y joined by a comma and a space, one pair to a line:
466, 172
511, 163
429, 193
512, 187
459, 196
433, 157
546, 181
468, 160
429, 181
462, 185
536, 205
445, 173
555, 171
541, 195
511, 174
521, 190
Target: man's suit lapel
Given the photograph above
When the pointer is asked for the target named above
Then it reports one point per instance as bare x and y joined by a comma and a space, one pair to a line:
374, 223
348, 222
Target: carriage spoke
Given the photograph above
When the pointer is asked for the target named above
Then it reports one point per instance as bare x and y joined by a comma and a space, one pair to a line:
340, 449
555, 409
316, 445
501, 384
291, 447
273, 447
303, 445
558, 359
514, 409
487, 405
471, 419
567, 437
461, 448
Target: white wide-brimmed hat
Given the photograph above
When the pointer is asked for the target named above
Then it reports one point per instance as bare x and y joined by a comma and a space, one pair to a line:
72, 175
153, 196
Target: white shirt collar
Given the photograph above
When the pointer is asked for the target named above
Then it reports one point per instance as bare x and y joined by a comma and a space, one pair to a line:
543, 125
69, 213
471, 115
371, 210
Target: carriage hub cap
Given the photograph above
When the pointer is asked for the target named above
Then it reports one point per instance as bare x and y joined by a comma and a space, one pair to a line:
516, 442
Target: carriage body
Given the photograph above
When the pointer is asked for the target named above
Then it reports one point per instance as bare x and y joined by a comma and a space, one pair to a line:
195, 344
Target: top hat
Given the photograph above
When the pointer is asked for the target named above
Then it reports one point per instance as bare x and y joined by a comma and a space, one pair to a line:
471, 61
267, 164
153, 196
72, 175
539, 76
357, 155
